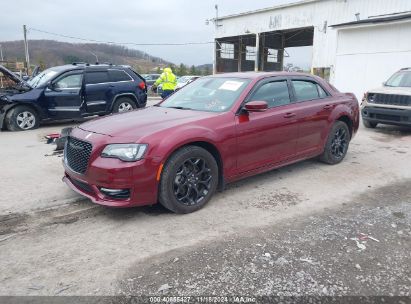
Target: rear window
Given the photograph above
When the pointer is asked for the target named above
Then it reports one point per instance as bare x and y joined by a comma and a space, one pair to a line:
118, 75
97, 77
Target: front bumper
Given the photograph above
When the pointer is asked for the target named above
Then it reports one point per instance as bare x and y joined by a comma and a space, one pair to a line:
138, 178
401, 117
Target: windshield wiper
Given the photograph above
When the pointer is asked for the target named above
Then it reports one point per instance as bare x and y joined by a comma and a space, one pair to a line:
179, 108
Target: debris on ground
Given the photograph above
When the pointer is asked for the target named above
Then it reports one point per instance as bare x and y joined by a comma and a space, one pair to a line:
364, 237
59, 138
164, 287
360, 245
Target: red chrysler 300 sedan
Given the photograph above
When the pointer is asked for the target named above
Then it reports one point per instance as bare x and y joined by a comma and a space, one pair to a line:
214, 131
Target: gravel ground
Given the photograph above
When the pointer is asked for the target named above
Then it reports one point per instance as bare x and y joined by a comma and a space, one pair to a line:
362, 249
288, 231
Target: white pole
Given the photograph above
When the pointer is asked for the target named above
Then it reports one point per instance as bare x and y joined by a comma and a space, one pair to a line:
257, 51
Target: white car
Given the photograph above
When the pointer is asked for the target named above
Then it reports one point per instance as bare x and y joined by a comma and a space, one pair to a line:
184, 80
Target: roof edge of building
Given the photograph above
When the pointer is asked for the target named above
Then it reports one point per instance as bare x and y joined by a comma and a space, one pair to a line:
272, 8
378, 20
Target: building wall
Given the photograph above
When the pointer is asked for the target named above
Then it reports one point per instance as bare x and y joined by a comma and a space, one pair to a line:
320, 14
367, 56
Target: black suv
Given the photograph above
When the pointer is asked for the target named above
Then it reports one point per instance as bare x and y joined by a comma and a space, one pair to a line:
68, 92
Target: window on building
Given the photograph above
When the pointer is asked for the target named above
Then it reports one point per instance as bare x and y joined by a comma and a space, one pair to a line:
250, 53
227, 50
324, 73
272, 55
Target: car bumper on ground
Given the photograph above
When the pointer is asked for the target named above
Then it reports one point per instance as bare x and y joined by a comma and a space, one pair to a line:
386, 115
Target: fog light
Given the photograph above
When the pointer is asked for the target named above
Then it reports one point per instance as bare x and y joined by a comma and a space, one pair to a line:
116, 193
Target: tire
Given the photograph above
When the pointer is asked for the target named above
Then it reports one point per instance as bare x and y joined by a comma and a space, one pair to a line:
22, 118
181, 192
369, 124
124, 104
337, 144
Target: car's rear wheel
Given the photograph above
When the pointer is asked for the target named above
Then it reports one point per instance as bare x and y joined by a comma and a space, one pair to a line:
337, 144
124, 104
189, 180
22, 118
369, 124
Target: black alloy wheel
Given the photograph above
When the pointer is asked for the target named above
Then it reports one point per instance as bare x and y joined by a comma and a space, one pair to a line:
192, 181
337, 143
188, 180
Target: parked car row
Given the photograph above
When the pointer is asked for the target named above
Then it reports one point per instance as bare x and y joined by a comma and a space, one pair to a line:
69, 92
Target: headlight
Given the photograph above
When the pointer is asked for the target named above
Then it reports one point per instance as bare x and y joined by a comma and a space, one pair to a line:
125, 152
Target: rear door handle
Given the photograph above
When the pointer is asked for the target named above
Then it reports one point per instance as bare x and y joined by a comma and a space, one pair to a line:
289, 115
327, 107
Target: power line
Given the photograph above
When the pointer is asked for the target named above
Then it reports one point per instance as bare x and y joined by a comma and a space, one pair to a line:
118, 43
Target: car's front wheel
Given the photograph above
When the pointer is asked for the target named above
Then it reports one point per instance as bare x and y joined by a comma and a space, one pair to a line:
189, 180
337, 144
22, 118
124, 104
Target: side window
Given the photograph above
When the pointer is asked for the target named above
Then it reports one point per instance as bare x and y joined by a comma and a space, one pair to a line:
69, 82
307, 90
321, 92
97, 77
274, 93
118, 75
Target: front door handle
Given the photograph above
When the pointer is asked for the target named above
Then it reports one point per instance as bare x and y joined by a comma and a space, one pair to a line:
327, 107
289, 115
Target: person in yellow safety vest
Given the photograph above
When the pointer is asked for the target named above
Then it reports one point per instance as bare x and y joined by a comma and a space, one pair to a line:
169, 81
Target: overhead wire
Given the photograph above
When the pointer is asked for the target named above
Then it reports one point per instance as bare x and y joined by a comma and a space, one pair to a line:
120, 43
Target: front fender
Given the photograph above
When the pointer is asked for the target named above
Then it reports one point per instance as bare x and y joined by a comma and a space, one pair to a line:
184, 136
3, 112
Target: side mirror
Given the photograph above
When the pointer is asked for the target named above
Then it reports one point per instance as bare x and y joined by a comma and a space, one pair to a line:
51, 87
256, 106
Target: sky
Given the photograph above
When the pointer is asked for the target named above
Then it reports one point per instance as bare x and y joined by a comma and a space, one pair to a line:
136, 21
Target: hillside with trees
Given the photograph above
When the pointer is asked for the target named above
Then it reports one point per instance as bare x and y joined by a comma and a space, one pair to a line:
48, 53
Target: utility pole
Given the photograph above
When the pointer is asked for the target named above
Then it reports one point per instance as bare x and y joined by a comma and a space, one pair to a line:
1, 53
215, 42
26, 49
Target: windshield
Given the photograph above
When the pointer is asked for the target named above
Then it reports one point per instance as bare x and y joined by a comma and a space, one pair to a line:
42, 78
400, 79
208, 94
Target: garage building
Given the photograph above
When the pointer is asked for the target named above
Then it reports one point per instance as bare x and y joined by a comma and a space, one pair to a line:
356, 44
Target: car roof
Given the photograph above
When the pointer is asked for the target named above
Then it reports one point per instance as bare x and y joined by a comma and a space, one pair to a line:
258, 75
82, 66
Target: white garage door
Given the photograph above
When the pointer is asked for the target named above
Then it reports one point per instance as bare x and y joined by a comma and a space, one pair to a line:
368, 55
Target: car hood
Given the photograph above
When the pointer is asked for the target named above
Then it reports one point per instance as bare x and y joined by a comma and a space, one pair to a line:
20, 85
139, 123
9, 74
391, 90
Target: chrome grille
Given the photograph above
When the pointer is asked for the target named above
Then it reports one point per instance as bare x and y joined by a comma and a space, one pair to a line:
77, 154
390, 99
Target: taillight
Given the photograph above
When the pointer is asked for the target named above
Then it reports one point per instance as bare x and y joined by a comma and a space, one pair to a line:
142, 85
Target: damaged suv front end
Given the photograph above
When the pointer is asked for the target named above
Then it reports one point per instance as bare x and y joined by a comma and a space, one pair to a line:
10, 86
